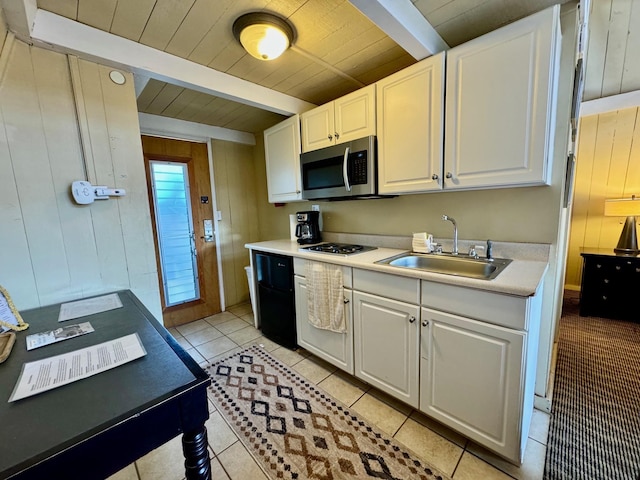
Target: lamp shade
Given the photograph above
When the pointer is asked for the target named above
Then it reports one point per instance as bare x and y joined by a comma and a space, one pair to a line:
622, 207
263, 35
630, 208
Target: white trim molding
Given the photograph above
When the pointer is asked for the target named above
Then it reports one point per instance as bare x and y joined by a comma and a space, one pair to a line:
610, 103
158, 126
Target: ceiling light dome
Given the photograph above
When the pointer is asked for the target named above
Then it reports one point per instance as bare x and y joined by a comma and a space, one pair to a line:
263, 35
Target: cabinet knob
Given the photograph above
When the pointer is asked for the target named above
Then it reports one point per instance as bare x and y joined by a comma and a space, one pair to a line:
606, 280
412, 319
337, 135
637, 269
330, 137
434, 176
425, 323
298, 191
598, 265
604, 297
617, 267
346, 300
449, 175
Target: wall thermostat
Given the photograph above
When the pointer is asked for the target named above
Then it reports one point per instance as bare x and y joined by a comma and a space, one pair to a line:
84, 193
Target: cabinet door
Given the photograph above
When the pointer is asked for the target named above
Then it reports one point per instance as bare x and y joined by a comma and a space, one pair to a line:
410, 128
335, 348
355, 115
282, 155
318, 130
471, 379
500, 105
386, 345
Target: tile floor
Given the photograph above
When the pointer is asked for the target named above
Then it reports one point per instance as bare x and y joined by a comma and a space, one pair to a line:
231, 331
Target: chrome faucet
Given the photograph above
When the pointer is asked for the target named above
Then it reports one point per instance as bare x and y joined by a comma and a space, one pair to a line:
454, 251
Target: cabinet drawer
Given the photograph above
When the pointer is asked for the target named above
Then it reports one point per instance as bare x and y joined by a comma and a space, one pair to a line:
391, 286
499, 309
299, 268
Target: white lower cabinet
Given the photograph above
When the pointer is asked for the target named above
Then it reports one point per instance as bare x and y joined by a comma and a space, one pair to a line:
335, 348
470, 377
478, 364
386, 345
465, 357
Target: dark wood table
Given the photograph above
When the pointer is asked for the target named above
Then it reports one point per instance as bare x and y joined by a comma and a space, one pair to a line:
96, 426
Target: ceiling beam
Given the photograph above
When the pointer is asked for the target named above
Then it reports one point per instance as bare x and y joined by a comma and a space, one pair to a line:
158, 126
20, 15
140, 83
67, 36
404, 23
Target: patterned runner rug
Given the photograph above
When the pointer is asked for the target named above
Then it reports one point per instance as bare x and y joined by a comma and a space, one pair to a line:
595, 419
296, 431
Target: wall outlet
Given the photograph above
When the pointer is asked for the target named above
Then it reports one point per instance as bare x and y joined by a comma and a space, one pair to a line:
315, 208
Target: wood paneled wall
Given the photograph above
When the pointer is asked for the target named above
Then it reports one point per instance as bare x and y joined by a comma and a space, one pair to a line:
608, 166
614, 39
235, 185
3, 29
51, 249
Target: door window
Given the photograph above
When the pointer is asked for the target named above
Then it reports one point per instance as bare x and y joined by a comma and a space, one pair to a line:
172, 206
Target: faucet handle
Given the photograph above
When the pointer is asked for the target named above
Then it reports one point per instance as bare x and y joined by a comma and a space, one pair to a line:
489, 250
473, 250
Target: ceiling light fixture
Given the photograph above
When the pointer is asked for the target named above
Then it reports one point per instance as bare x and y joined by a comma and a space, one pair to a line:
263, 35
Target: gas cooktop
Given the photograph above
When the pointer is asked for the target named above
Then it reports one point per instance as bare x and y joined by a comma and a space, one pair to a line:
338, 248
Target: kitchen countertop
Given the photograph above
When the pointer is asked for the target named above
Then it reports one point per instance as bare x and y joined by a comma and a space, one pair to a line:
520, 278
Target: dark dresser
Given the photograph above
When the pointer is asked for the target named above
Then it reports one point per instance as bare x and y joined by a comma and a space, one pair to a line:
610, 285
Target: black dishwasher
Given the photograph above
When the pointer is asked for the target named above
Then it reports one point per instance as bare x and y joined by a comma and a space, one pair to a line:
276, 298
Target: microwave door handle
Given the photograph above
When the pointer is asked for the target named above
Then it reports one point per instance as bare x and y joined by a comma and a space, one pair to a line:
345, 173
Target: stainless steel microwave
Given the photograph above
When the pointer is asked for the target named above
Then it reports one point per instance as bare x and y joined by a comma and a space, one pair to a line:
341, 172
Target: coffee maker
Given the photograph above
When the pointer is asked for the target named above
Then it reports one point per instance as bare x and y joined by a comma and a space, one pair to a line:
308, 228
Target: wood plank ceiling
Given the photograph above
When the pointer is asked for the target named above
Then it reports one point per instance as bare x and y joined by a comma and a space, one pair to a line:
337, 49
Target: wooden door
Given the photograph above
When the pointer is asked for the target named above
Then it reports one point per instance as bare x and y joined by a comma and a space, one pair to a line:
194, 157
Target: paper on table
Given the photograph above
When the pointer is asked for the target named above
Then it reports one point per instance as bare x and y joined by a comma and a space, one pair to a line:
89, 306
52, 336
52, 372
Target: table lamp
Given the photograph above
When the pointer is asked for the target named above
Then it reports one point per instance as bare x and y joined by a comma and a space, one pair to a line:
621, 207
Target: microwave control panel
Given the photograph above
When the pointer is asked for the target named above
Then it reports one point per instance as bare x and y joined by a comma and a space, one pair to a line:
358, 170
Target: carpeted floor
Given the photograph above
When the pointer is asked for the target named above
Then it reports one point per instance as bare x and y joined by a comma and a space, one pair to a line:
595, 420
296, 431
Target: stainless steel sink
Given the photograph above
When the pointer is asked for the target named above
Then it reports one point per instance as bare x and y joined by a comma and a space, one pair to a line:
460, 265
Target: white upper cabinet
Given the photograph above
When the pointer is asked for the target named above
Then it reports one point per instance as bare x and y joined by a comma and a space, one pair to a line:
282, 156
500, 105
345, 119
410, 128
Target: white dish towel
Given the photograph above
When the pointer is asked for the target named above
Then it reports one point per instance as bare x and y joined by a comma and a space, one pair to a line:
325, 296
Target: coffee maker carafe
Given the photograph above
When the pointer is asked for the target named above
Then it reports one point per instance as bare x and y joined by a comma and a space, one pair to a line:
308, 228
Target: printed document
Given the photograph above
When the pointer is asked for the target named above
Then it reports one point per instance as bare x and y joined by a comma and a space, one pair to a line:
52, 372
89, 306
52, 336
